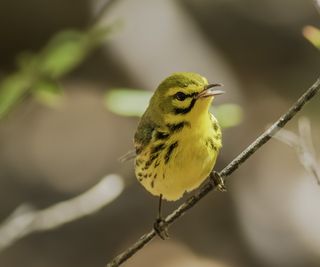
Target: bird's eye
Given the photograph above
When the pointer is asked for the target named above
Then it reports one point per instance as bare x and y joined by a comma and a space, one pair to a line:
180, 96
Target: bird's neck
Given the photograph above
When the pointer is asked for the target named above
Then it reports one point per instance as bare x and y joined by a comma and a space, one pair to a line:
198, 117
200, 113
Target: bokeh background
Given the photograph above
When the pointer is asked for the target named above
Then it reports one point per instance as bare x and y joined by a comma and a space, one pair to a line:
63, 127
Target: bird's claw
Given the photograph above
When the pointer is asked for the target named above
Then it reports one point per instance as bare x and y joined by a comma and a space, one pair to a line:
218, 181
161, 228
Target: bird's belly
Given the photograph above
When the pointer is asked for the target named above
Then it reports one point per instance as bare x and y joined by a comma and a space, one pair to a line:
187, 167
190, 167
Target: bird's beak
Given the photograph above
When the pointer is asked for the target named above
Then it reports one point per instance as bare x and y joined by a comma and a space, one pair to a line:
208, 91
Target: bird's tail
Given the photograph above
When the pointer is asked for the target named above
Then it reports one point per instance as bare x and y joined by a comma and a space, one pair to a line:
130, 155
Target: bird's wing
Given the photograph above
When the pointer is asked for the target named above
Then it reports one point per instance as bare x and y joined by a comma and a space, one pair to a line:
149, 128
144, 134
145, 131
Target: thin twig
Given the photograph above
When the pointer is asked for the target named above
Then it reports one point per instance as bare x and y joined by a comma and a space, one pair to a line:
229, 169
26, 220
303, 145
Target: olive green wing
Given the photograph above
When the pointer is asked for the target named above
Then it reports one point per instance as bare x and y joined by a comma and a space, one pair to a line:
142, 138
144, 133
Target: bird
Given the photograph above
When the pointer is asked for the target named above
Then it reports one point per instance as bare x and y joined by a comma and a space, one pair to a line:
177, 140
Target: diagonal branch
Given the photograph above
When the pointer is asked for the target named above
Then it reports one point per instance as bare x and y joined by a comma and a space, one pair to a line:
229, 169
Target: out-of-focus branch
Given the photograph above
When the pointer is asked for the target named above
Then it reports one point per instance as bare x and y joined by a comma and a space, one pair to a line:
317, 4
303, 145
103, 9
26, 220
227, 171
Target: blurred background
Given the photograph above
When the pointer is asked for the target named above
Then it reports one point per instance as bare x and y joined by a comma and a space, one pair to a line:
74, 77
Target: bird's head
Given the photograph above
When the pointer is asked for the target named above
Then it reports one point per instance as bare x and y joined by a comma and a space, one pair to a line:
184, 94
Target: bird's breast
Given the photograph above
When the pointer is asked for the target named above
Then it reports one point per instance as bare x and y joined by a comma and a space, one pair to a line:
182, 162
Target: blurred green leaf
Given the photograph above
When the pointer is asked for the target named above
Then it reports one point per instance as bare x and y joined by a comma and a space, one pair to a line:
48, 93
12, 88
127, 102
228, 115
67, 50
312, 34
25, 61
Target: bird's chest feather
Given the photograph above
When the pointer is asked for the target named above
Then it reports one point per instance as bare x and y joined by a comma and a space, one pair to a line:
195, 152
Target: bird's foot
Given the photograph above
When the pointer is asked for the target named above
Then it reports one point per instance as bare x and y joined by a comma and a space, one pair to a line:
161, 228
218, 181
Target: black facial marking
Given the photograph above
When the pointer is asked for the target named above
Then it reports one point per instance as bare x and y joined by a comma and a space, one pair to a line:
152, 183
178, 127
192, 95
175, 127
169, 152
185, 110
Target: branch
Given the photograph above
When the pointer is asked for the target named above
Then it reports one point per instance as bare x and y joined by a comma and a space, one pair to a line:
25, 220
229, 169
303, 145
